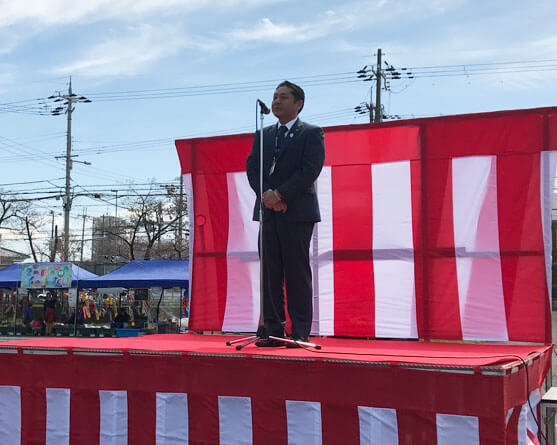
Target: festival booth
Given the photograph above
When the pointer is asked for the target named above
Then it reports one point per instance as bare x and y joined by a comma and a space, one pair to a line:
165, 274
432, 229
153, 277
18, 280
11, 277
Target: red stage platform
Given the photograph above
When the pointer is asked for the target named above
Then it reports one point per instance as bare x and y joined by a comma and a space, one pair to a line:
178, 389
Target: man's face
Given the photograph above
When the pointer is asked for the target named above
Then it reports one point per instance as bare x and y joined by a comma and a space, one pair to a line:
285, 107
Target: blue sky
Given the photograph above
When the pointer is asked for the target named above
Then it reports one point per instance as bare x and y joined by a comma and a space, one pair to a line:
135, 45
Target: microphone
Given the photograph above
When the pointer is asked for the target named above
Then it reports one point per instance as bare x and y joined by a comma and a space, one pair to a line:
264, 108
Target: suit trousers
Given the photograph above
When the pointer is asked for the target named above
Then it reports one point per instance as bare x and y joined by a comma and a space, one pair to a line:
286, 264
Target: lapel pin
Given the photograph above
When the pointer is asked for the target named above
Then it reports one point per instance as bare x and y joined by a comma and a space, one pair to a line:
291, 135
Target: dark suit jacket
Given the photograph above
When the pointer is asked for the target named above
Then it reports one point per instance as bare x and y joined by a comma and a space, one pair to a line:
298, 166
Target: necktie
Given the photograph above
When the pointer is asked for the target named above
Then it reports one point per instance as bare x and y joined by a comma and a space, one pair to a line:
281, 138
283, 129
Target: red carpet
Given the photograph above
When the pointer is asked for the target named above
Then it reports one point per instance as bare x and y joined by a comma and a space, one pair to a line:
393, 351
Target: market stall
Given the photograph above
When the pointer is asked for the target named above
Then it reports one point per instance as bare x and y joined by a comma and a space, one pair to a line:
26, 289
148, 283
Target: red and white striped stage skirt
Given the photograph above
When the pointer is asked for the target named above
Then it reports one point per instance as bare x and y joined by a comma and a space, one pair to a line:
180, 389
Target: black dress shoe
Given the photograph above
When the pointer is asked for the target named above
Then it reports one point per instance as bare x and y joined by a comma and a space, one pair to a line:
295, 345
268, 343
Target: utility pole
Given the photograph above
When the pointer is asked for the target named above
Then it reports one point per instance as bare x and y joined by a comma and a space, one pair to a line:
180, 221
55, 245
69, 99
159, 222
378, 113
370, 107
382, 77
52, 232
116, 209
67, 200
82, 236
368, 74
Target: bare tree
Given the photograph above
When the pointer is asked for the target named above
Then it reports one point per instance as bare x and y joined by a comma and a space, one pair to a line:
159, 221
179, 208
151, 227
13, 213
128, 233
8, 210
29, 226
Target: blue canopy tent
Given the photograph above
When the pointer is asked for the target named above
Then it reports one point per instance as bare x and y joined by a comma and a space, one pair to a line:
141, 274
10, 277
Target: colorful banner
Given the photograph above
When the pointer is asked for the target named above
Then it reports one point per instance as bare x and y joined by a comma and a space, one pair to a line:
46, 275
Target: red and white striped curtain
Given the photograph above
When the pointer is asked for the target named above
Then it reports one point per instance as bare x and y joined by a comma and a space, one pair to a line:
433, 228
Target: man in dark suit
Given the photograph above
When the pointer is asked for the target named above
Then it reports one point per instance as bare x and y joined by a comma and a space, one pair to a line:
293, 155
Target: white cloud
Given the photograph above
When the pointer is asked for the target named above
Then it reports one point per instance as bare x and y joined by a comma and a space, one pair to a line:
52, 12
140, 47
269, 31
349, 16
373, 12
127, 50
458, 48
61, 11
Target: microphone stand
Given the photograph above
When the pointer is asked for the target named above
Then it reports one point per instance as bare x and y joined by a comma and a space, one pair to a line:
261, 330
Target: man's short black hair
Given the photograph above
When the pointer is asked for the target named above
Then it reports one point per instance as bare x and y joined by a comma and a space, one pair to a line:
297, 91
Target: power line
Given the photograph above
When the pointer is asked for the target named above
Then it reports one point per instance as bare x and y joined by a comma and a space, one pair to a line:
30, 182
29, 151
466, 73
200, 90
318, 78
99, 189
501, 67
410, 72
390, 73
76, 195
521, 66
516, 62
219, 91
155, 144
